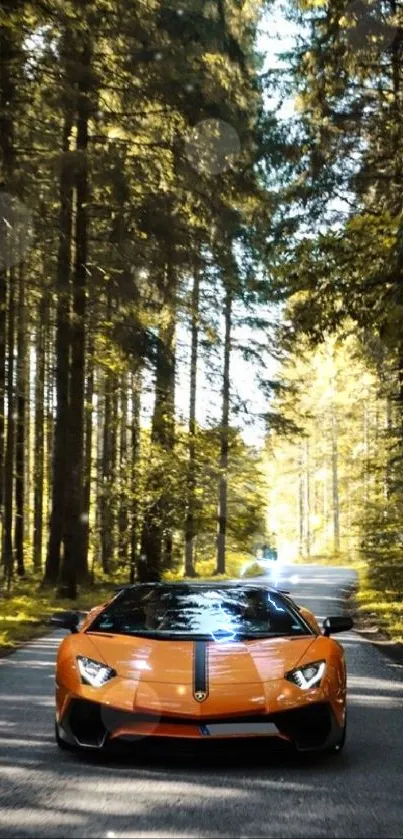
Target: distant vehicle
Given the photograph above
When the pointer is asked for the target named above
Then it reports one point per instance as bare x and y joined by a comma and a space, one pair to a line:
269, 554
262, 564
200, 661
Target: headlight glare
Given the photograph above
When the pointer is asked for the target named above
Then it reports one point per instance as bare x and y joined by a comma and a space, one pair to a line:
307, 676
94, 673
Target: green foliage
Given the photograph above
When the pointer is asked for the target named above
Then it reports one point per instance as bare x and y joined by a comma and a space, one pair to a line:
247, 490
322, 478
107, 105
342, 268
380, 607
25, 614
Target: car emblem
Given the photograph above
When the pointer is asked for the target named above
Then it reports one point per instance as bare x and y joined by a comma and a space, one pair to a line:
200, 695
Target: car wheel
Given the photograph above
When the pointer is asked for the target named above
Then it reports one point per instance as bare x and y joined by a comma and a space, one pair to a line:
340, 745
66, 747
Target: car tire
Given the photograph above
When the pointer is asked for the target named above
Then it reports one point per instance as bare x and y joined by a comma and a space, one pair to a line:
338, 747
65, 747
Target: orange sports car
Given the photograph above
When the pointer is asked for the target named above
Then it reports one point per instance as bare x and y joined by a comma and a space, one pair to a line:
202, 661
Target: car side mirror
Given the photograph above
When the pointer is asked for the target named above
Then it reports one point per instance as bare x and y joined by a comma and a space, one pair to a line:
337, 623
66, 620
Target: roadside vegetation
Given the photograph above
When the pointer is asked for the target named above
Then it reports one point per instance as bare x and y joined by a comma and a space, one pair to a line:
25, 613
134, 218
379, 612
26, 609
331, 501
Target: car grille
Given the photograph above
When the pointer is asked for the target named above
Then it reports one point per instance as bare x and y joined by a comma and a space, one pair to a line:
92, 723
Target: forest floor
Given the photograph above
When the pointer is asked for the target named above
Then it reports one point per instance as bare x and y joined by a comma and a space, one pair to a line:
25, 611
378, 617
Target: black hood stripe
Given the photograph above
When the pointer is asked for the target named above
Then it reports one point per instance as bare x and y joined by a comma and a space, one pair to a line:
200, 667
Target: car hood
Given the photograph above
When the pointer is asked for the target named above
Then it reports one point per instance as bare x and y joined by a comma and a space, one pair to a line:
172, 662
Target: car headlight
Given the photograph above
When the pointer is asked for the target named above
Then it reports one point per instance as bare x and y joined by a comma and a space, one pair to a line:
307, 676
93, 672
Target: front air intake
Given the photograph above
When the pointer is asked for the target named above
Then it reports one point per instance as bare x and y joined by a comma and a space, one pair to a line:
309, 727
85, 722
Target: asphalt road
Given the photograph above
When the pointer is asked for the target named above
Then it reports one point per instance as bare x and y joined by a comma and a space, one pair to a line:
359, 793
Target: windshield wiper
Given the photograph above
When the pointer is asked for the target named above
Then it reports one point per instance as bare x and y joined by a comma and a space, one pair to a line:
166, 635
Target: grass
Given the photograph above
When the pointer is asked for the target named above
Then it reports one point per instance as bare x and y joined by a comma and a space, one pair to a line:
341, 560
379, 610
235, 560
26, 610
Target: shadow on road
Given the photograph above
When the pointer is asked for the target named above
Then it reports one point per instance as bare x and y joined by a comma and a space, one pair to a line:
241, 790
194, 793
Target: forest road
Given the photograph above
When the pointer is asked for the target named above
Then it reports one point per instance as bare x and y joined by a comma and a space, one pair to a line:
358, 793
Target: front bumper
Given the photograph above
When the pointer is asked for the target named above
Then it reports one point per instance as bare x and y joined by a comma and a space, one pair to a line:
93, 725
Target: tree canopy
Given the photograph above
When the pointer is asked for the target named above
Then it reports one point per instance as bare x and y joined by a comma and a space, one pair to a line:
160, 219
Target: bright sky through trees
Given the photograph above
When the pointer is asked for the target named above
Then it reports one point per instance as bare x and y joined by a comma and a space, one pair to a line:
275, 35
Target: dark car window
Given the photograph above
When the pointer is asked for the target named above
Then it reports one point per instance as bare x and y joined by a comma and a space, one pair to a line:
191, 611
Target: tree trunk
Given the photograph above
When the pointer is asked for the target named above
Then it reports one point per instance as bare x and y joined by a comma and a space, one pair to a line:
135, 455
388, 470
107, 477
191, 476
301, 505
89, 393
75, 563
335, 483
397, 184
62, 351
325, 503
9, 50
307, 501
39, 463
335, 475
3, 343
8, 556
3, 324
224, 441
21, 417
169, 400
50, 388
123, 509
156, 542
29, 449
100, 390
366, 460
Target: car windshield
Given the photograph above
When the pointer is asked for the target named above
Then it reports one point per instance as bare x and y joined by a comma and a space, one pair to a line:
195, 612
